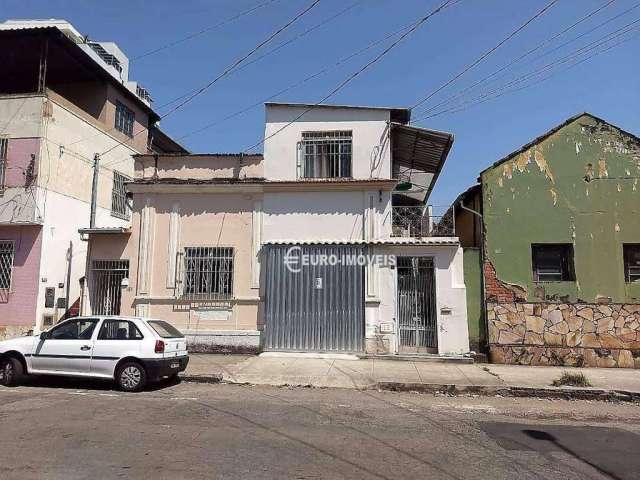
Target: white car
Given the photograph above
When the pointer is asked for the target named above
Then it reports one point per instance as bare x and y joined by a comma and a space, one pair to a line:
132, 351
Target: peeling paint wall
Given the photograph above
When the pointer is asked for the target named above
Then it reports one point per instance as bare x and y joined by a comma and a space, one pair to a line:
578, 186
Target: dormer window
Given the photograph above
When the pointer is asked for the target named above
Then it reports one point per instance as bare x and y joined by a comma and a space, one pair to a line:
326, 154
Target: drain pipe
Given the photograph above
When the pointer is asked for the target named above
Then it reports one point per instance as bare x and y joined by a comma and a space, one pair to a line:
482, 283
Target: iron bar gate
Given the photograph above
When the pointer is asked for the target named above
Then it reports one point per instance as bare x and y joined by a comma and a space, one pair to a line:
106, 293
417, 305
315, 307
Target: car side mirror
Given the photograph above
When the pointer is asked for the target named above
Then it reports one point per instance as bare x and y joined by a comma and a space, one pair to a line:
45, 335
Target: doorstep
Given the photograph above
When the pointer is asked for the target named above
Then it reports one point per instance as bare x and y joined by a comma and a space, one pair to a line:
421, 357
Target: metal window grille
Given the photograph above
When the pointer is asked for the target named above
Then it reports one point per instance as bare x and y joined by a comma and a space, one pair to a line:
631, 255
3, 162
326, 154
416, 221
106, 290
208, 273
119, 205
124, 119
6, 263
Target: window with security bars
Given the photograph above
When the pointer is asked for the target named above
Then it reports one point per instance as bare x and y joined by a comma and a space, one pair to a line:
208, 273
631, 254
124, 119
119, 205
6, 263
326, 154
3, 162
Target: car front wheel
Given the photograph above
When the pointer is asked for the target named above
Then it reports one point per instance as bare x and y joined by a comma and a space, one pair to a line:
11, 372
131, 377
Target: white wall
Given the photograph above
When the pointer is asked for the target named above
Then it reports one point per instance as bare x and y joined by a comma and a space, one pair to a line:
327, 215
21, 115
453, 334
71, 140
63, 217
371, 153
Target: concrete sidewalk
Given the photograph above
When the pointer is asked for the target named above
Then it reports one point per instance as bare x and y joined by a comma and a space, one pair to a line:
392, 374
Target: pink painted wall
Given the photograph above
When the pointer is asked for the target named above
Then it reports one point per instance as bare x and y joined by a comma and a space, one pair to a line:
19, 151
18, 306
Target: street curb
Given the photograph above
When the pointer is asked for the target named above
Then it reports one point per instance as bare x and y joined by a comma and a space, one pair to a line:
565, 393
214, 378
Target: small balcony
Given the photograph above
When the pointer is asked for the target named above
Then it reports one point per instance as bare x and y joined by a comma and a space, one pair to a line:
418, 221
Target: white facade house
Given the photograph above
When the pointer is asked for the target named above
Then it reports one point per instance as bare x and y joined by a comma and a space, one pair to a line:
332, 176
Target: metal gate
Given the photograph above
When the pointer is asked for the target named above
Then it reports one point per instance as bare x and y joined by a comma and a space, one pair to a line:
106, 292
417, 305
313, 304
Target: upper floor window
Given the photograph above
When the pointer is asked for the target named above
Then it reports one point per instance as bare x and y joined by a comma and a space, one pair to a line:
553, 262
631, 254
124, 119
3, 162
6, 263
326, 154
119, 205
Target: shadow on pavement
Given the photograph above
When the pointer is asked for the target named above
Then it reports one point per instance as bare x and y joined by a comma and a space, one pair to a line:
72, 383
612, 452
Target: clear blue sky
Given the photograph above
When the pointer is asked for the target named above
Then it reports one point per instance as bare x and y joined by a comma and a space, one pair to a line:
608, 85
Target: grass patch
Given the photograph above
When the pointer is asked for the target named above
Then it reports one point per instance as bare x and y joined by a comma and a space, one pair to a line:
572, 380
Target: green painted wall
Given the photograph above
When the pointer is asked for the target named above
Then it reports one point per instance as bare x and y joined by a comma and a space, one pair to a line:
471, 260
579, 185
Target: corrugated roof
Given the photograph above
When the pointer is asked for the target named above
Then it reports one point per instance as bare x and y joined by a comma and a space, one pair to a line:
104, 230
390, 241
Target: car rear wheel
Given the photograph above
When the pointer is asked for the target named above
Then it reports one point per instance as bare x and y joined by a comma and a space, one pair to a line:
131, 377
11, 372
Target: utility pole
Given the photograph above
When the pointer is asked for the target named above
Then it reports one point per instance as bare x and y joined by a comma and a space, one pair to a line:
94, 190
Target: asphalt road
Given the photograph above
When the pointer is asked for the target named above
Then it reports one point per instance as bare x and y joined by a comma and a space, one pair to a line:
67, 430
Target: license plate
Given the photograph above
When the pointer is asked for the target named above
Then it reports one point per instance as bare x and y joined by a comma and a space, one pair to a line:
175, 365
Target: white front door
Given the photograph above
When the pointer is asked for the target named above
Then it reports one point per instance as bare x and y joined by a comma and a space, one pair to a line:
117, 339
67, 349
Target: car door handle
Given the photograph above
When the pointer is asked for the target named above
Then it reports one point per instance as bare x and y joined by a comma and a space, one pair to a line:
85, 347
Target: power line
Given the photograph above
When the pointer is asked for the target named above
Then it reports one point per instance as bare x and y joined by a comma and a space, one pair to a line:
302, 81
278, 47
521, 57
230, 68
503, 90
365, 67
486, 54
203, 31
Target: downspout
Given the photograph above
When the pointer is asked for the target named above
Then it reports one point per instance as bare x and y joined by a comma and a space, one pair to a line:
482, 282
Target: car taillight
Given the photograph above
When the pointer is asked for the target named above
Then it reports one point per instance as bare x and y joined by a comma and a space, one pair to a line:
159, 346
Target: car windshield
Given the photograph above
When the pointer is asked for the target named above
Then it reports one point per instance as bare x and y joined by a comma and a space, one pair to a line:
164, 329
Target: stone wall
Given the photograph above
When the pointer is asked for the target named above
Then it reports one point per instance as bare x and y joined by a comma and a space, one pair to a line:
588, 335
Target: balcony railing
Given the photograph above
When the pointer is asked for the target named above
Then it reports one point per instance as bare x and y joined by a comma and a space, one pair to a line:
418, 221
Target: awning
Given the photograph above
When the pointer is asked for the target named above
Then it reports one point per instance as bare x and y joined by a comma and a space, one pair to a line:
104, 230
419, 148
